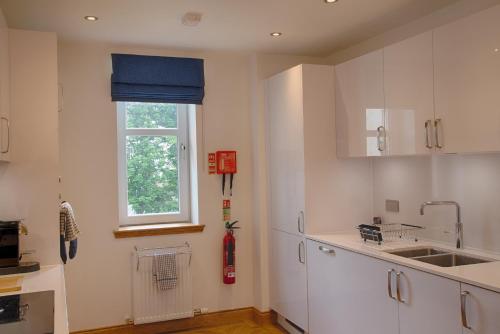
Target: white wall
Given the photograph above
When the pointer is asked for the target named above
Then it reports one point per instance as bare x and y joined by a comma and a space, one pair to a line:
98, 281
29, 184
472, 180
440, 17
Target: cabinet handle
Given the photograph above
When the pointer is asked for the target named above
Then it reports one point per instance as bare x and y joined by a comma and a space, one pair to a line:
389, 284
381, 142
8, 135
463, 300
428, 141
326, 250
300, 222
437, 126
398, 287
301, 246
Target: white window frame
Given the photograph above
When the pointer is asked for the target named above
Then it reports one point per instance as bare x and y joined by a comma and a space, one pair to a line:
183, 216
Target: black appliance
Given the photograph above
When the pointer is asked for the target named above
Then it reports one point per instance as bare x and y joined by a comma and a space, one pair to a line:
28, 313
9, 243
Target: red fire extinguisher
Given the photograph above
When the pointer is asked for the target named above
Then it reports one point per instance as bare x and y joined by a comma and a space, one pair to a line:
229, 266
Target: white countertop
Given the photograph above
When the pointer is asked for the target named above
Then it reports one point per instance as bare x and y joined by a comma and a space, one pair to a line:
49, 278
484, 275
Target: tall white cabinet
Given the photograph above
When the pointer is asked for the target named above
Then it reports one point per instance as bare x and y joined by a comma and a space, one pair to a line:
300, 112
467, 81
286, 151
5, 135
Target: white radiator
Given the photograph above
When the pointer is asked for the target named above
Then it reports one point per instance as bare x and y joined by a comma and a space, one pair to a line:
151, 304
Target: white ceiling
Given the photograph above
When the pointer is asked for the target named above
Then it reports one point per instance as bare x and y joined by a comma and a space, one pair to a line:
310, 27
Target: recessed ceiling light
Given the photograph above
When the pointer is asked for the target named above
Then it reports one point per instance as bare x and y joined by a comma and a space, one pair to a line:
496, 49
331, 1
276, 34
91, 18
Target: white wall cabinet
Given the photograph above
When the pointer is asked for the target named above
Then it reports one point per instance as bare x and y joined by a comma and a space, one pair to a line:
359, 106
348, 292
436, 92
5, 135
409, 96
288, 277
481, 310
385, 101
467, 82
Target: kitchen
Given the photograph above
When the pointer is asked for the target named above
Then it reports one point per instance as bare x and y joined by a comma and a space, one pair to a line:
366, 187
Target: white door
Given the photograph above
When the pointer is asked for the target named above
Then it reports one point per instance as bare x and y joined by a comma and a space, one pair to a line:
409, 96
286, 151
359, 106
481, 310
431, 304
288, 277
467, 82
5, 145
348, 293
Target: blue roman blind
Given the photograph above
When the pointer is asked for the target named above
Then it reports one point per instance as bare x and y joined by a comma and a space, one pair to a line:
157, 79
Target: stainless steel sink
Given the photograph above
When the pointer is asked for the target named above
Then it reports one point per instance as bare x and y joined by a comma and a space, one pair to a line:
451, 260
417, 252
439, 257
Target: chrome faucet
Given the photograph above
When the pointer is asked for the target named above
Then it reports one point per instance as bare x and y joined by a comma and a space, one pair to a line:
459, 231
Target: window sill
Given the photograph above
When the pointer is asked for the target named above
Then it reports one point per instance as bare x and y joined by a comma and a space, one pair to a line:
156, 229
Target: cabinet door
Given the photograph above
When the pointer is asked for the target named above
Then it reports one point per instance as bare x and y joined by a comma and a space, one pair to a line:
467, 82
286, 151
359, 106
288, 277
4, 95
409, 96
431, 304
348, 292
481, 310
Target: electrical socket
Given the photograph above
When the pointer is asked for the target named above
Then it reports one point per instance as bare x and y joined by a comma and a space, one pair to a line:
391, 205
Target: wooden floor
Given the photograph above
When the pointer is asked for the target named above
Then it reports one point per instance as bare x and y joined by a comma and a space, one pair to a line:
243, 327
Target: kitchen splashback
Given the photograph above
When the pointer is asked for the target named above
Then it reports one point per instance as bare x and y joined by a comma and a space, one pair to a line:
471, 180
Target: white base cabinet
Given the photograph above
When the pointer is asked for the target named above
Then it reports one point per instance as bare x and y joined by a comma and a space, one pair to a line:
481, 310
289, 277
348, 293
430, 304
352, 293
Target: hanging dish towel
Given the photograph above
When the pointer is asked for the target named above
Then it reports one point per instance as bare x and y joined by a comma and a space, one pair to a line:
165, 271
68, 231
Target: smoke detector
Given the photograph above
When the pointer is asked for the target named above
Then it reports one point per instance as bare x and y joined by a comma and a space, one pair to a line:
191, 19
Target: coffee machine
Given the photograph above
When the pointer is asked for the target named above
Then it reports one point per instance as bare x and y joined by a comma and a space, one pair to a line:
10, 254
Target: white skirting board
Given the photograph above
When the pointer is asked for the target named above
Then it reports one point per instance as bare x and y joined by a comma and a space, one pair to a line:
288, 326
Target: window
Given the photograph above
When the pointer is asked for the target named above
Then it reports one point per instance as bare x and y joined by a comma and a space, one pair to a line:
153, 167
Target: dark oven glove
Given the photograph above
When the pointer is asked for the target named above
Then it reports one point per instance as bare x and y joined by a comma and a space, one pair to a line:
62, 249
73, 246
